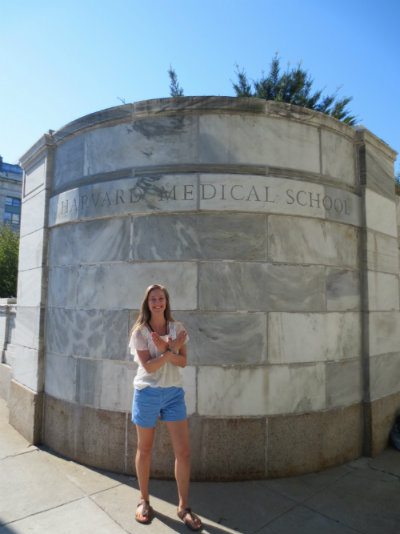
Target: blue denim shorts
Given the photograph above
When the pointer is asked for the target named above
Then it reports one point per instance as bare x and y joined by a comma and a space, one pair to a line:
149, 403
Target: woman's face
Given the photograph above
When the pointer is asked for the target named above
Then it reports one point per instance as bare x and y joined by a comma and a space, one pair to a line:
157, 302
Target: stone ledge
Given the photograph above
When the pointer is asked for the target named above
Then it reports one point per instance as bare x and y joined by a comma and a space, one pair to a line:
26, 409
5, 379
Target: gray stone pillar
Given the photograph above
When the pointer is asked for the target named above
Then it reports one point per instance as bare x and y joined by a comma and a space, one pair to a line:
380, 291
26, 388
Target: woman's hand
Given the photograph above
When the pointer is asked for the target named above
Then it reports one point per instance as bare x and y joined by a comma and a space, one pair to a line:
158, 341
176, 344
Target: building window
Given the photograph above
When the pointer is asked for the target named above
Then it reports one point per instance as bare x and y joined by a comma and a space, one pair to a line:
12, 211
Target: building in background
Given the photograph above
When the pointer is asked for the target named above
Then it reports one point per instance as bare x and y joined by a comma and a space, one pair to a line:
10, 194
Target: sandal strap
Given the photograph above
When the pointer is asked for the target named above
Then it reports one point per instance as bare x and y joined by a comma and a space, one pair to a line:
145, 507
188, 511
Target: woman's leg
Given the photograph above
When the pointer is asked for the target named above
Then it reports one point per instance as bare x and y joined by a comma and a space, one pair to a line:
145, 438
179, 432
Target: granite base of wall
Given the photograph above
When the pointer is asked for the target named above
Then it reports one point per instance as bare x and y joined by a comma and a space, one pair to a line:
222, 448
304, 443
5, 379
382, 414
26, 410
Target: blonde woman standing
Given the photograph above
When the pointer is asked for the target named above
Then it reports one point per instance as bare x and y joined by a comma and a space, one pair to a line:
158, 344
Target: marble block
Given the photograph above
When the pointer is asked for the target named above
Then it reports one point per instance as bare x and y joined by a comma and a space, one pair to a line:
296, 388
226, 138
233, 236
152, 193
116, 386
300, 240
313, 337
385, 374
380, 213
105, 384
26, 368
277, 195
100, 334
29, 292
31, 251
122, 285
27, 327
61, 376
384, 332
342, 290
342, 206
379, 172
245, 286
218, 338
382, 253
33, 213
343, 383
338, 157
62, 286
154, 141
228, 391
383, 291
68, 162
35, 177
90, 242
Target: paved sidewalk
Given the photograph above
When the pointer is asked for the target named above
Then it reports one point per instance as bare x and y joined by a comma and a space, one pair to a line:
41, 493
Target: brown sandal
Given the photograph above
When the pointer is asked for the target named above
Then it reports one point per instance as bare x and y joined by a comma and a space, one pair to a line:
189, 518
146, 513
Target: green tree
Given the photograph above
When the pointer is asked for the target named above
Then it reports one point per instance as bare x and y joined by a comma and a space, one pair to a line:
397, 181
174, 88
293, 86
9, 244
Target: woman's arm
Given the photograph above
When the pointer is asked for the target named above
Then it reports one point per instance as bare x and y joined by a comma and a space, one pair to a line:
152, 364
180, 358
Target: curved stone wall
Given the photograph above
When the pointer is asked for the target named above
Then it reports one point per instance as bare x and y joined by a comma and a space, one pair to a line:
253, 214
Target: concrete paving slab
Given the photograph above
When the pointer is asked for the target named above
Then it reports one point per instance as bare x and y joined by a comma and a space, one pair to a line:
301, 520
78, 517
242, 506
33, 485
366, 500
388, 462
303, 487
88, 479
120, 503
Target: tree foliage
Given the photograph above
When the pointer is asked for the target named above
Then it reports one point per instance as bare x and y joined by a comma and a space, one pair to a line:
293, 86
174, 88
9, 245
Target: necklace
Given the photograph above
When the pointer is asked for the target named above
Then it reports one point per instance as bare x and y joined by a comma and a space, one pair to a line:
160, 331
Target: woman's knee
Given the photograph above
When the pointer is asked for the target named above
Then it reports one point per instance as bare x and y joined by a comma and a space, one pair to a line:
144, 449
183, 453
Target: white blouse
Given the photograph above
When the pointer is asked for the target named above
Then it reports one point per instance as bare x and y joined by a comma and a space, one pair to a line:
169, 375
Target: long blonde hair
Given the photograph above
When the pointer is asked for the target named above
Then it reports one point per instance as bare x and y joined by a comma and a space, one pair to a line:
145, 315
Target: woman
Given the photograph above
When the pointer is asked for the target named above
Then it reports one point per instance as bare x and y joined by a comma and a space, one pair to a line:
159, 346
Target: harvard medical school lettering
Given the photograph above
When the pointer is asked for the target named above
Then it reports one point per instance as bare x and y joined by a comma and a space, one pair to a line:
206, 193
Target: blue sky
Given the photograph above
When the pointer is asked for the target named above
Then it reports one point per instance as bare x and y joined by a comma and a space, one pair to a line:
60, 60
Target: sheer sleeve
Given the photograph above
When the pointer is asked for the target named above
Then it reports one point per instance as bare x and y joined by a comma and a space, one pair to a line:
180, 327
139, 340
